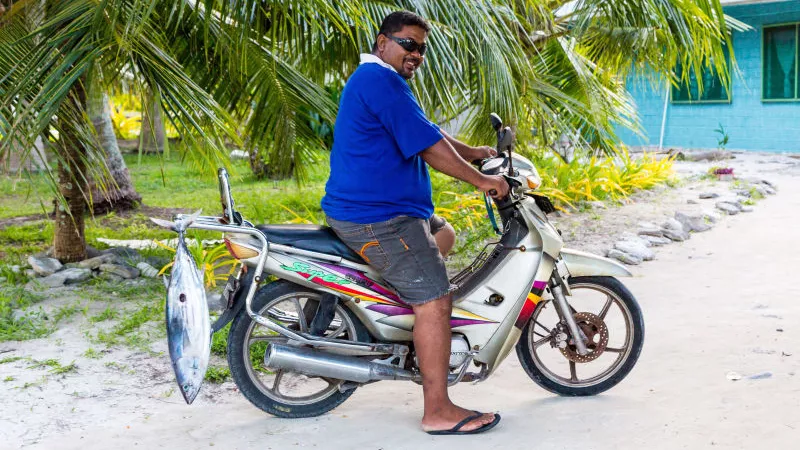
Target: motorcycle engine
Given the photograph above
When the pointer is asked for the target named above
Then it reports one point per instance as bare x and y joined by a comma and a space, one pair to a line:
459, 350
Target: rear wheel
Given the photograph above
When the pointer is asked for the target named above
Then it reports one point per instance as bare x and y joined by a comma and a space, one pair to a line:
607, 313
284, 393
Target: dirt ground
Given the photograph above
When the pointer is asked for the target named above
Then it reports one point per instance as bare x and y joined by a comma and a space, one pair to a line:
724, 301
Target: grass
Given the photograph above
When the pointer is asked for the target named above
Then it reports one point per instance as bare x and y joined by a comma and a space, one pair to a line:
167, 183
217, 374
107, 314
18, 322
219, 341
92, 354
10, 359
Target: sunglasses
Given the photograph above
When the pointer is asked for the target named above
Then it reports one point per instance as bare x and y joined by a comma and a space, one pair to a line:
409, 45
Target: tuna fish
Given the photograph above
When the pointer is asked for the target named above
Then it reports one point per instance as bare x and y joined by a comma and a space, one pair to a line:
188, 325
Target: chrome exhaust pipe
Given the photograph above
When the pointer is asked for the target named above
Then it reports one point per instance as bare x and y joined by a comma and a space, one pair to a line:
322, 364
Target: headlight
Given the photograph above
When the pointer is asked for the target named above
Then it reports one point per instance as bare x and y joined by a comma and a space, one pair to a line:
242, 246
534, 180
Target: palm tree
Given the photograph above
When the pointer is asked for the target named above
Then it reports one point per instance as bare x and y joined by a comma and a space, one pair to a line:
263, 64
117, 193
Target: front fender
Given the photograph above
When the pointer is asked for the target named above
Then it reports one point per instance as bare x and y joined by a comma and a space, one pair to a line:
582, 264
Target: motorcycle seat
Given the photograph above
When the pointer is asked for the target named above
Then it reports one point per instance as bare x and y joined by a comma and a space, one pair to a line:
314, 238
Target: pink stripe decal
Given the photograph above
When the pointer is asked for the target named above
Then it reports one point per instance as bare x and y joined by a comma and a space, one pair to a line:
454, 323
360, 276
539, 284
391, 310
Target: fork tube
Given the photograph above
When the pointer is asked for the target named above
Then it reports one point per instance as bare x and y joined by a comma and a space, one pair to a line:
566, 315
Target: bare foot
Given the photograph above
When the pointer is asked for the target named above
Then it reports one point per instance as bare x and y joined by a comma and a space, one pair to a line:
447, 418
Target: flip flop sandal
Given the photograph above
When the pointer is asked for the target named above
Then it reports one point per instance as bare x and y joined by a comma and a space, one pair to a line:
457, 429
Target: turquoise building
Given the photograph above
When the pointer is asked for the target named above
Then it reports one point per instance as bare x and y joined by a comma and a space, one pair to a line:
761, 112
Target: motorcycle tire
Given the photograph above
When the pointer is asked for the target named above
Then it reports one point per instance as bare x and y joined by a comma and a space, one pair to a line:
243, 373
552, 383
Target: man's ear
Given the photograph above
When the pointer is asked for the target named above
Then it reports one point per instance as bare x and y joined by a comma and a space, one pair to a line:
381, 41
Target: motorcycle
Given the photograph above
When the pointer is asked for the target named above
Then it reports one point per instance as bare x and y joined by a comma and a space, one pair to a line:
311, 321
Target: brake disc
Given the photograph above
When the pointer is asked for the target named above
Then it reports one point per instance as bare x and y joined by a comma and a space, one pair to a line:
596, 333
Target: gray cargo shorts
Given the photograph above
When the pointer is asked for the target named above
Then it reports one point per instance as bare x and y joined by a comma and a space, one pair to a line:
404, 251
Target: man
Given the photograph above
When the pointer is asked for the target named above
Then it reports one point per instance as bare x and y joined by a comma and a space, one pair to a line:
378, 200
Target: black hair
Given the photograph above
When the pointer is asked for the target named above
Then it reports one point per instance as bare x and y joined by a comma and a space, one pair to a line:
395, 22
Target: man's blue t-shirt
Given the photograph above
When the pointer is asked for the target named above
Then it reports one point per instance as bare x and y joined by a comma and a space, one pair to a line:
376, 170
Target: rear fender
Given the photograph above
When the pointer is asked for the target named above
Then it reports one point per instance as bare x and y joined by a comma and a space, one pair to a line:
582, 264
232, 309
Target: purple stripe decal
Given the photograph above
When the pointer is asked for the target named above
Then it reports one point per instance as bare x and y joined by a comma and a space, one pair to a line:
539, 285
371, 284
390, 310
454, 323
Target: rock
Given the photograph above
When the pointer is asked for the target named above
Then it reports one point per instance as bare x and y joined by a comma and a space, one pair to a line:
694, 223
742, 192
121, 271
649, 229
597, 204
706, 195
75, 275
54, 280
747, 209
92, 252
94, 263
692, 201
656, 241
672, 224
728, 208
760, 376
761, 190
16, 269
637, 249
757, 181
30, 273
624, 257
147, 270
215, 302
128, 255
733, 376
770, 190
108, 276
711, 216
676, 235
157, 261
44, 266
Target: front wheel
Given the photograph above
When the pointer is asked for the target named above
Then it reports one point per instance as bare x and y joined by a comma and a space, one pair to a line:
607, 313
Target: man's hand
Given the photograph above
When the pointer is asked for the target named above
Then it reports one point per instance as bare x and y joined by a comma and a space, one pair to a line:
484, 152
496, 182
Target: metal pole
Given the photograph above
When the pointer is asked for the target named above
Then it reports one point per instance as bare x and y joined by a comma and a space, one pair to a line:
664, 118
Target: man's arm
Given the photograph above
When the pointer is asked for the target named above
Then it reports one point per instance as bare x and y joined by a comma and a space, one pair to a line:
443, 157
467, 152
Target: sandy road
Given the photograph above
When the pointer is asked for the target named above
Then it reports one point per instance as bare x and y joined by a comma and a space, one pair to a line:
712, 305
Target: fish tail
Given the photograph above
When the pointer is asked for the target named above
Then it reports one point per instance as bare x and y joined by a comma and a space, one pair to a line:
182, 224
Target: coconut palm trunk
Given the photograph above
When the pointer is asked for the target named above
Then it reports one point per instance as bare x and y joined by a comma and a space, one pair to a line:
116, 193
69, 242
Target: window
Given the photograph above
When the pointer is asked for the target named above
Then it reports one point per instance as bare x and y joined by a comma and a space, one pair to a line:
780, 56
713, 89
